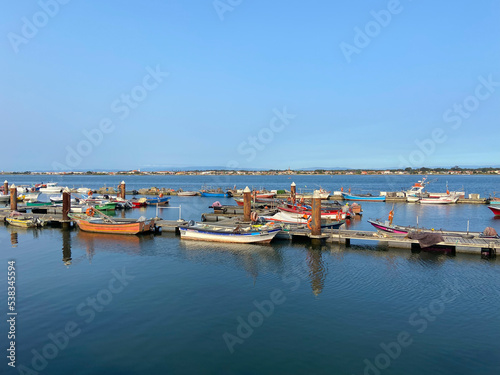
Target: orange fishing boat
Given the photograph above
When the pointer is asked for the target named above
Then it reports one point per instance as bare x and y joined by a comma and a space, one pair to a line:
114, 226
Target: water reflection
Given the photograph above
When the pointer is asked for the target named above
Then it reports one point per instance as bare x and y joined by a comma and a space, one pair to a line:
254, 259
66, 247
14, 239
317, 267
96, 242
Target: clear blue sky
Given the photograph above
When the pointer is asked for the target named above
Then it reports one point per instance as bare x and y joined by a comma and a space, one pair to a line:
231, 69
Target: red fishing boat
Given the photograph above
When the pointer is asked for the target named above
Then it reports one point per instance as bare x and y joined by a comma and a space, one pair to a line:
495, 210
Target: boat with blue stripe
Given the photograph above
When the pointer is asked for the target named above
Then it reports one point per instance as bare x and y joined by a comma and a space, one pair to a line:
363, 197
232, 234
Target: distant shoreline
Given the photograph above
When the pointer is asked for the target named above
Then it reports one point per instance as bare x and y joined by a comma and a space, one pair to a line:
273, 172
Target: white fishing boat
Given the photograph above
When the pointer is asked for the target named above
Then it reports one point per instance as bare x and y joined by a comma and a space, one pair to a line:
59, 199
186, 193
31, 197
444, 199
83, 190
232, 234
323, 194
51, 188
416, 192
4, 198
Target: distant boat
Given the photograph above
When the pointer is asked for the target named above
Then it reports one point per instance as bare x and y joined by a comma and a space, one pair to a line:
31, 197
363, 197
186, 193
158, 200
51, 188
233, 234
323, 194
444, 199
207, 192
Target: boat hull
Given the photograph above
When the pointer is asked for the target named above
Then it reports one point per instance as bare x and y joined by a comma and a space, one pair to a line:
24, 223
118, 228
206, 194
495, 210
252, 237
440, 200
187, 193
158, 200
388, 228
350, 197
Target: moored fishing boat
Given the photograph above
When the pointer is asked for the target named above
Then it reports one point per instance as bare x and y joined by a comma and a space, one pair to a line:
297, 211
106, 206
141, 202
187, 193
105, 224
38, 204
363, 197
323, 194
445, 199
4, 198
19, 220
495, 210
232, 234
51, 188
160, 200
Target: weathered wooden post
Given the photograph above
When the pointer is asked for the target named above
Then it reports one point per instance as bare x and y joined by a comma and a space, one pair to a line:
247, 204
316, 214
122, 190
66, 204
13, 197
5, 187
293, 192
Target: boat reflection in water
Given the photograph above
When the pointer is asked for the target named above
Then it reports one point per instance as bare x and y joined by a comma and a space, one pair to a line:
254, 259
116, 243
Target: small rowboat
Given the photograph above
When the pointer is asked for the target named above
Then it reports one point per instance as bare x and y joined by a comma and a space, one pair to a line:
24, 222
232, 234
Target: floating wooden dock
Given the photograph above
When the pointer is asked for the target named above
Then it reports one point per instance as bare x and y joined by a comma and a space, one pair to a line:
454, 243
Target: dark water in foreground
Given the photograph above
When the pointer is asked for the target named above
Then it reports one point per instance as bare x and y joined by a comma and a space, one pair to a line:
156, 305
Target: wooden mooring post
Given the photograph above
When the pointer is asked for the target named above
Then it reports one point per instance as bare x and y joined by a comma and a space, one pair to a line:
122, 190
66, 204
247, 204
316, 214
293, 192
6, 187
13, 197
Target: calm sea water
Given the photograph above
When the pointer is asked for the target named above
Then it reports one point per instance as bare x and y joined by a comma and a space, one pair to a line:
102, 304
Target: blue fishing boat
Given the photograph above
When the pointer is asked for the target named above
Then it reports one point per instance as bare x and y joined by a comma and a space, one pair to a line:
363, 197
209, 194
215, 193
157, 200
